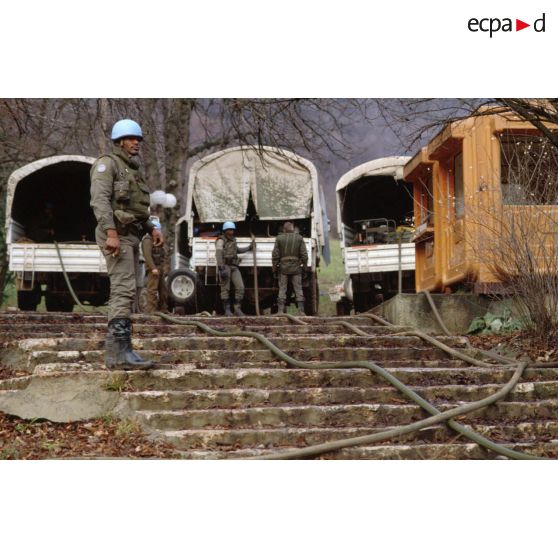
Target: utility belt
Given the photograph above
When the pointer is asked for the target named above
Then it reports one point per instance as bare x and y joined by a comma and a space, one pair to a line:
290, 259
232, 261
132, 228
126, 223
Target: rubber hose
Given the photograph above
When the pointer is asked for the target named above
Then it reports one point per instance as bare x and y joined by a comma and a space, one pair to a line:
69, 284
433, 341
489, 354
323, 448
415, 397
384, 435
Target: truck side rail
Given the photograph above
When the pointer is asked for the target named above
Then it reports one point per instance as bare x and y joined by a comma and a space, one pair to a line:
379, 258
78, 258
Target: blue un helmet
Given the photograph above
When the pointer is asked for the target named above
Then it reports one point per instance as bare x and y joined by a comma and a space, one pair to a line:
124, 129
228, 225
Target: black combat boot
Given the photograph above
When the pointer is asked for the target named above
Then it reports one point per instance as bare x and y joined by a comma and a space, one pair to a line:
119, 353
237, 310
227, 307
301, 308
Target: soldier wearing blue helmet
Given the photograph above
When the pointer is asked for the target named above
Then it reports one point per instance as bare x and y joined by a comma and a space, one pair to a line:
120, 201
226, 254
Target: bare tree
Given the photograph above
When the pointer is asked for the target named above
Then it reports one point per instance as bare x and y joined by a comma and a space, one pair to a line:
417, 120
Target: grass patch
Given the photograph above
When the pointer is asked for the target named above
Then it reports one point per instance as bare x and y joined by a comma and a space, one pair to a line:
328, 276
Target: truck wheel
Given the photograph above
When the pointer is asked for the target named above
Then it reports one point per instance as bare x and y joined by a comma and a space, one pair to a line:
28, 300
56, 302
312, 296
343, 307
182, 286
361, 302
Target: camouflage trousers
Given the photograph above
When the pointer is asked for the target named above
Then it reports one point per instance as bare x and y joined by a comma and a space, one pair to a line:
236, 278
284, 283
123, 272
156, 296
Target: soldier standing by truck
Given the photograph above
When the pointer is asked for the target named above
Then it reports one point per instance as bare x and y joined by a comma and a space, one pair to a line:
120, 201
226, 254
156, 267
289, 259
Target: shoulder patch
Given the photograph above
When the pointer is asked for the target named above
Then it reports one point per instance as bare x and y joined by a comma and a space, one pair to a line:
101, 167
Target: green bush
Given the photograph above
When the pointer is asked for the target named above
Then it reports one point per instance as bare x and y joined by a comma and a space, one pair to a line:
491, 323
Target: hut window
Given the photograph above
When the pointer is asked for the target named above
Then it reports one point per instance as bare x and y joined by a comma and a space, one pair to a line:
528, 169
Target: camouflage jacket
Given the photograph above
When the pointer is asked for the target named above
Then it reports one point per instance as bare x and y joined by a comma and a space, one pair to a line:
119, 196
227, 250
156, 257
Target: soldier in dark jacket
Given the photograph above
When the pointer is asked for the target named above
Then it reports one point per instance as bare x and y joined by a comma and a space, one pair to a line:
43, 229
226, 254
120, 201
289, 259
156, 268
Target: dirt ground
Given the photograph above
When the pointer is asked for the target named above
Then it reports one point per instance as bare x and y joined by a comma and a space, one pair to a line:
516, 345
105, 437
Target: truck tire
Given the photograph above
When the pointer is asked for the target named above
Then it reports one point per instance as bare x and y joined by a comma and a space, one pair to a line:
57, 302
182, 286
343, 307
312, 296
29, 300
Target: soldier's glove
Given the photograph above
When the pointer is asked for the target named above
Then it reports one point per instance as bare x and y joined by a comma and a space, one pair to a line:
304, 273
223, 273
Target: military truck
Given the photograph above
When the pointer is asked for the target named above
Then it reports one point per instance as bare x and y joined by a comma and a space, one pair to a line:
375, 225
259, 188
48, 201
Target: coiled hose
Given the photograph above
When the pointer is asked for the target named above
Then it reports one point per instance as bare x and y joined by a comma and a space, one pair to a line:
437, 416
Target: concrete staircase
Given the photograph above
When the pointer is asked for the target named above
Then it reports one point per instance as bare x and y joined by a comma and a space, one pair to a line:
231, 398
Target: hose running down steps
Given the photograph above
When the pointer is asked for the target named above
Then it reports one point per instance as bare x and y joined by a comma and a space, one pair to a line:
437, 416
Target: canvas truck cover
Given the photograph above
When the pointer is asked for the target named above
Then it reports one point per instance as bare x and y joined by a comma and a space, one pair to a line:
386, 166
18, 175
282, 185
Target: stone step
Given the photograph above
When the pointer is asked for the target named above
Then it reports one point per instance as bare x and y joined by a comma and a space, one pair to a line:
380, 415
215, 321
201, 342
302, 437
38, 330
192, 377
245, 398
188, 377
393, 451
233, 358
